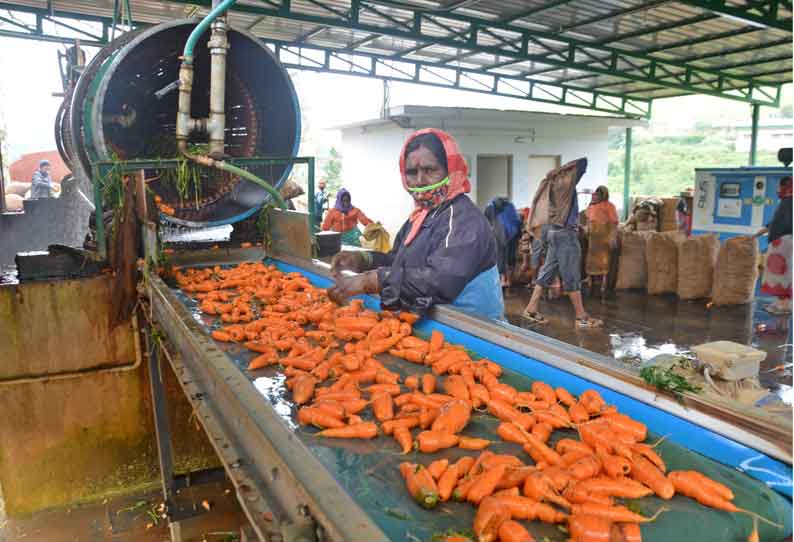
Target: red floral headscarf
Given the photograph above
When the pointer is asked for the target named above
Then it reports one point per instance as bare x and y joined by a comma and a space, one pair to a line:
458, 173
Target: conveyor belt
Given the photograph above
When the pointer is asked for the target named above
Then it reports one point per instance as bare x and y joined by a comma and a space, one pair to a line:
354, 489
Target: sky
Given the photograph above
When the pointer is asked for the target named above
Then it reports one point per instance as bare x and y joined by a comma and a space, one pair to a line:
31, 76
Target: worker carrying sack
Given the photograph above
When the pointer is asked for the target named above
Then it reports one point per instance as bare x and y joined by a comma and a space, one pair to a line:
696, 259
661, 252
632, 266
736, 271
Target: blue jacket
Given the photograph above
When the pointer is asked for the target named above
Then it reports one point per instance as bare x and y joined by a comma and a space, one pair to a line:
454, 246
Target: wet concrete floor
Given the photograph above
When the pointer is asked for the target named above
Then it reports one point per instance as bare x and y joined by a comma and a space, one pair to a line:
638, 327
136, 518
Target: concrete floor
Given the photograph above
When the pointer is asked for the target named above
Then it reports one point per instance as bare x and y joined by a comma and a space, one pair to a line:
638, 327
132, 519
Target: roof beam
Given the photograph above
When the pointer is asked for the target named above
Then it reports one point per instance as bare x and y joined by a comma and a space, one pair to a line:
761, 13
702, 39
527, 13
613, 14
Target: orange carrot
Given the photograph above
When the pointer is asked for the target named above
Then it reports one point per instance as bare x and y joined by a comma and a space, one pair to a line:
626, 425
512, 531
579, 495
479, 395
618, 514
625, 488
432, 441
223, 336
710, 485
313, 416
508, 460
578, 413
564, 397
412, 382
421, 485
447, 481
404, 398
415, 343
514, 476
539, 451
528, 509
587, 467
428, 383
408, 422
691, 486
409, 317
510, 432
502, 410
303, 390
490, 516
403, 437
382, 406
332, 408
393, 389
455, 386
453, 416
648, 453
646, 472
569, 458
437, 468
436, 341
614, 466
365, 430
538, 486
542, 431
263, 360
352, 406
469, 443
427, 416
465, 464
567, 445
589, 528
544, 392
511, 492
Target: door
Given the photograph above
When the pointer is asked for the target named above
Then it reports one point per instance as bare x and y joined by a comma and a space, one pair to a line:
493, 177
539, 166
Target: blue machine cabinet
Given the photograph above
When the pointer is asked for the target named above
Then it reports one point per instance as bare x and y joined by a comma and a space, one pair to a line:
735, 201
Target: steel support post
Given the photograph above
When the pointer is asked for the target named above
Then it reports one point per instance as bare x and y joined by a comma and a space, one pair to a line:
627, 176
754, 135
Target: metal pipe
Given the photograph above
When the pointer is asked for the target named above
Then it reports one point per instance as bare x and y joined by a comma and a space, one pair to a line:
627, 176
216, 126
754, 135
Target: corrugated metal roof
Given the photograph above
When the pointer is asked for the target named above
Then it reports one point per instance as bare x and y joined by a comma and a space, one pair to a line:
638, 48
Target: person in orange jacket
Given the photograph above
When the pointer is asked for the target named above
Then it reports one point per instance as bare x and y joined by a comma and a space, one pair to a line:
344, 218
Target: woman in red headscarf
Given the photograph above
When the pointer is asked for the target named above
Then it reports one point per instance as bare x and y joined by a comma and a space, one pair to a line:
777, 271
445, 253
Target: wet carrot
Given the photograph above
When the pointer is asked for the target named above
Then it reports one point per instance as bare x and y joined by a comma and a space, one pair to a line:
648, 453
592, 401
455, 386
578, 413
432, 441
436, 341
437, 468
391, 425
366, 430
646, 472
590, 528
691, 486
412, 382
625, 488
528, 509
625, 424
382, 406
479, 394
220, 335
403, 399
567, 445
332, 408
409, 317
490, 516
447, 481
421, 485
356, 324
502, 410
512, 531
586, 467
539, 451
428, 383
510, 432
544, 392
263, 360
542, 431
403, 437
618, 514
538, 486
453, 416
415, 343
392, 389
318, 418
564, 397
515, 476
353, 406
303, 390
711, 485
427, 415
469, 443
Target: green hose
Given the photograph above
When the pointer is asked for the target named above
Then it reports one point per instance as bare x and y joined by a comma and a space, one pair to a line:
190, 44
224, 166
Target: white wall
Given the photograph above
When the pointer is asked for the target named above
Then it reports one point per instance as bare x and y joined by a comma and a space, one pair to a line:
371, 166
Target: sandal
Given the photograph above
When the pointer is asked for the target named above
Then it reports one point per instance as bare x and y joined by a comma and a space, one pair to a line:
776, 310
588, 322
534, 317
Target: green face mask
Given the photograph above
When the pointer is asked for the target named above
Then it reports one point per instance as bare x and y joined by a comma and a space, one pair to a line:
428, 188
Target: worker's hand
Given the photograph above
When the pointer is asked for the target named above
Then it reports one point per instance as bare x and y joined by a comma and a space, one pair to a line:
356, 261
347, 287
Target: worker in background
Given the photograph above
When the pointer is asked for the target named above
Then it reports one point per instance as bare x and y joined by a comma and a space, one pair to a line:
777, 271
445, 252
506, 226
556, 197
602, 235
344, 218
41, 184
321, 199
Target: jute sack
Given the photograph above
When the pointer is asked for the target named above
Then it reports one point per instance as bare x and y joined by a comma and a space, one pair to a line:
661, 253
632, 266
736, 271
696, 258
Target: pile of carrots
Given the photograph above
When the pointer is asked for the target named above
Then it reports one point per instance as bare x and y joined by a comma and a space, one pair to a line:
327, 353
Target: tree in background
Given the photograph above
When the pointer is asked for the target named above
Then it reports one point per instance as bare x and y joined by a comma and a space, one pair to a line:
332, 170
